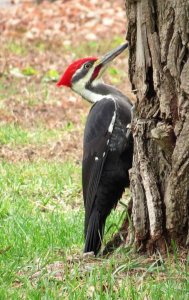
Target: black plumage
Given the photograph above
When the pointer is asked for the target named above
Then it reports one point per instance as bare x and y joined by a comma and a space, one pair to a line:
107, 147
107, 158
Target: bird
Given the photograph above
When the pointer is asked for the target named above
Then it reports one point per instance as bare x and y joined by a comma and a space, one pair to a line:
107, 142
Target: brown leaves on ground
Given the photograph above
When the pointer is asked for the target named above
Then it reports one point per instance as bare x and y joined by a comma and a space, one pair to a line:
38, 40
53, 116
77, 267
70, 21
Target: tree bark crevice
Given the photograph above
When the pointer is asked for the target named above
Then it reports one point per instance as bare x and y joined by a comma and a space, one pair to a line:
158, 35
151, 197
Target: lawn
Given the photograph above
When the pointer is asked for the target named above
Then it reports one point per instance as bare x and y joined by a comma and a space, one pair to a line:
41, 205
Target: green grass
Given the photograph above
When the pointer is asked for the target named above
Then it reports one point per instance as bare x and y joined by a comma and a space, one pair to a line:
34, 213
14, 135
30, 94
16, 47
41, 215
96, 48
41, 206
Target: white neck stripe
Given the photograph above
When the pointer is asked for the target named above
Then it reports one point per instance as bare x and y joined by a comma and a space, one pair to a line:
93, 97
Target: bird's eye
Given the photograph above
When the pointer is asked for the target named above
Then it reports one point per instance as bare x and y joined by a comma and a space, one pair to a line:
87, 65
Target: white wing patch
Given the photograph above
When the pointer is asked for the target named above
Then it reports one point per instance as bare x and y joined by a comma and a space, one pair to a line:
111, 126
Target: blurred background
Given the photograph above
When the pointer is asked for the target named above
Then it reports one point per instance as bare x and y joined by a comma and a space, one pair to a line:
41, 130
37, 43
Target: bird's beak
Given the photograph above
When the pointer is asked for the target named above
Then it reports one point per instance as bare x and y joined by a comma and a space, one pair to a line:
108, 57
101, 64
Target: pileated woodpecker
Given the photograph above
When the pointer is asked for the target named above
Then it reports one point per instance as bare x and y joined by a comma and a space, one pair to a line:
107, 147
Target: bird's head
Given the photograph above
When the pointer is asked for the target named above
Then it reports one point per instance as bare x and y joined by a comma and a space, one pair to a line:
83, 74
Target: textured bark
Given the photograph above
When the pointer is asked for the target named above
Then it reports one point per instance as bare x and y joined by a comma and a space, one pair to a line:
158, 34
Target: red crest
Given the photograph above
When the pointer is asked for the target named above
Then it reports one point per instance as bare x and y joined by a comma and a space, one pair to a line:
70, 71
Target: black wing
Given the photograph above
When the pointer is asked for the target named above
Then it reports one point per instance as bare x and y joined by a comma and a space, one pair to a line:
96, 139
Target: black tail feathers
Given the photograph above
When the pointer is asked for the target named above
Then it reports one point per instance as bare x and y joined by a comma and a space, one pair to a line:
94, 234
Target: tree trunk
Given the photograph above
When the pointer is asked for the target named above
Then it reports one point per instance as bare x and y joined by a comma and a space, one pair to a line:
158, 34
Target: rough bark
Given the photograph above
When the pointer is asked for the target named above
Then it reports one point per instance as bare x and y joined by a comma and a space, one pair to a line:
158, 34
